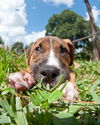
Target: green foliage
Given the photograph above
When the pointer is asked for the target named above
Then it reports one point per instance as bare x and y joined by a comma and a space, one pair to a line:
18, 47
42, 106
67, 25
70, 25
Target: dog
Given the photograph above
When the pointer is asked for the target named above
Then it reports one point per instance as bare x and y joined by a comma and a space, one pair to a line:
49, 57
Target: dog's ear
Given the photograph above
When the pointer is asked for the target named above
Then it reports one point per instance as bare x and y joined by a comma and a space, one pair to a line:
71, 47
29, 52
31, 48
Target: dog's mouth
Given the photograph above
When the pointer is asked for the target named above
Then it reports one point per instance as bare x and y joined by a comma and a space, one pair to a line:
45, 81
51, 83
49, 77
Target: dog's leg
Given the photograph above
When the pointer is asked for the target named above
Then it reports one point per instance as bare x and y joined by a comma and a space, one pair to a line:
76, 65
71, 91
21, 80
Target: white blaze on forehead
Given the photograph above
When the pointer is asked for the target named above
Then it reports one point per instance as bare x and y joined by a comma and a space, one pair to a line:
52, 59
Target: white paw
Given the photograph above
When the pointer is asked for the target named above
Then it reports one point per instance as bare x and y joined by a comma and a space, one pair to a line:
70, 92
20, 81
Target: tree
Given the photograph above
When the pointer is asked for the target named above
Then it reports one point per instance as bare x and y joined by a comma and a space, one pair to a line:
73, 26
96, 52
18, 47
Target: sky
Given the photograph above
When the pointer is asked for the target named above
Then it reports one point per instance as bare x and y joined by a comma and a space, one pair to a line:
25, 20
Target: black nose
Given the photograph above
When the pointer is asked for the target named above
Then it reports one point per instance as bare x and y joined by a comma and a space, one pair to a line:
49, 73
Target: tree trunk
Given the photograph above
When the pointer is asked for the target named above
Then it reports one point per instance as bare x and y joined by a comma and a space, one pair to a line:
96, 54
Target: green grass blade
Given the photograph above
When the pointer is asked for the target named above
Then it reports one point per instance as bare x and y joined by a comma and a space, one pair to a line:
58, 84
5, 105
54, 96
4, 119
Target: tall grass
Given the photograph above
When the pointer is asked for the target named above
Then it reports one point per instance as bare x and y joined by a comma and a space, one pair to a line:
39, 106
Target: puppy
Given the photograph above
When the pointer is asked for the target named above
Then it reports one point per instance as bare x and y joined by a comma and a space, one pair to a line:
49, 57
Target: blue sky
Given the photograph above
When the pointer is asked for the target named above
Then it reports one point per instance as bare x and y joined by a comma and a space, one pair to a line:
25, 20
39, 12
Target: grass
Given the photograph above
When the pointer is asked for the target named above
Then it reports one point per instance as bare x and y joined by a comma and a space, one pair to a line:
39, 106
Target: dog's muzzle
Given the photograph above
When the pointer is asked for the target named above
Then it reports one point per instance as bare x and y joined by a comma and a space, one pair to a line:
50, 73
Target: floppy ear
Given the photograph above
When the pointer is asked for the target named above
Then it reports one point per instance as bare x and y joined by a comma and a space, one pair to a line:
31, 48
29, 51
71, 47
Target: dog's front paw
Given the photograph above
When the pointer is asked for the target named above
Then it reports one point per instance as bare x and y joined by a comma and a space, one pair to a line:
20, 81
70, 92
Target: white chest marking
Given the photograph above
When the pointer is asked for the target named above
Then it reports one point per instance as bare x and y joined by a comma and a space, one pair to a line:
52, 59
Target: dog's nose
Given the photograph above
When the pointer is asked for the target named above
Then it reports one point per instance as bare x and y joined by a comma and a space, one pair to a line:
49, 73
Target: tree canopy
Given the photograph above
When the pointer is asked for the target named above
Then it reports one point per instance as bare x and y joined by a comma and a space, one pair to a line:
70, 25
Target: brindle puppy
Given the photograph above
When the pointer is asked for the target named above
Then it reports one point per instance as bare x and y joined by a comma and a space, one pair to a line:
49, 57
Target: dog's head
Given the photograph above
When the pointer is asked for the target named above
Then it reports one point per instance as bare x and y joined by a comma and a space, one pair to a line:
50, 57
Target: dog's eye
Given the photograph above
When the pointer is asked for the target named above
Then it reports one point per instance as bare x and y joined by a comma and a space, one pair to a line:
38, 48
62, 49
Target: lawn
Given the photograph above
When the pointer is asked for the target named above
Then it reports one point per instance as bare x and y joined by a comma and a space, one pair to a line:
39, 106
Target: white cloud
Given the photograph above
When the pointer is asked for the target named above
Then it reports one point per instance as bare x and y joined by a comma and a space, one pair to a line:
13, 19
68, 3
32, 37
96, 14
